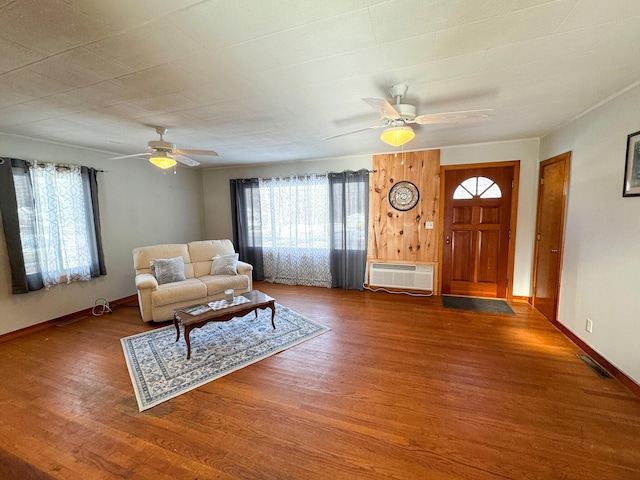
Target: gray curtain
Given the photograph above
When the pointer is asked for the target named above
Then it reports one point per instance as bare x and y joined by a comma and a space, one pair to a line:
90, 186
247, 225
15, 181
349, 223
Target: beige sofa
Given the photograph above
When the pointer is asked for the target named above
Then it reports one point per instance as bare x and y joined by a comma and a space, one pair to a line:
157, 302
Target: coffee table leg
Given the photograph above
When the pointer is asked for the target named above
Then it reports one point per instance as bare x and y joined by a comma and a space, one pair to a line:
188, 340
273, 314
177, 324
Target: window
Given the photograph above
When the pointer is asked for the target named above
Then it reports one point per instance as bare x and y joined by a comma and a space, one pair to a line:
303, 230
474, 187
295, 230
51, 214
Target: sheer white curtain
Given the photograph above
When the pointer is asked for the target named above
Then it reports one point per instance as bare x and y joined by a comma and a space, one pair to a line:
62, 238
295, 230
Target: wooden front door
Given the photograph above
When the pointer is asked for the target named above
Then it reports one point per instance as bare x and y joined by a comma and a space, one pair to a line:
476, 235
552, 199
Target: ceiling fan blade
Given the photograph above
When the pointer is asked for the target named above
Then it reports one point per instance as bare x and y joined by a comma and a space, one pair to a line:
453, 117
181, 151
131, 156
384, 108
354, 131
186, 160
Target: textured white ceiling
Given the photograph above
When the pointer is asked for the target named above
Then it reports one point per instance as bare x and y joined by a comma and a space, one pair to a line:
267, 80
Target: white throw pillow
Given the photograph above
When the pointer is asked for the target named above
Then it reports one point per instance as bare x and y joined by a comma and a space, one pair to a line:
225, 264
167, 270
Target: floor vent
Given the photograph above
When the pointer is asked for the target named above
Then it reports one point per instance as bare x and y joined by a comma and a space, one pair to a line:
593, 365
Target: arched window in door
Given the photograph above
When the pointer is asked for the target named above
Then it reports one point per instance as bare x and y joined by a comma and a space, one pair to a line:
475, 187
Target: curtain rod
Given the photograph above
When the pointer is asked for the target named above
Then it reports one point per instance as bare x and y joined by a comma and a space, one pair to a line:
64, 167
320, 174
41, 164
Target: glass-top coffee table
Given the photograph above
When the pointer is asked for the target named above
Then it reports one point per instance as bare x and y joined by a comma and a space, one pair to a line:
255, 300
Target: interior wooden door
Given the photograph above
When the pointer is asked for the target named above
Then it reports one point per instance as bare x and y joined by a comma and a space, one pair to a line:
476, 231
552, 200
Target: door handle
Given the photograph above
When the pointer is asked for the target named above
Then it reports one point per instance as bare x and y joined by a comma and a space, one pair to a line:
554, 250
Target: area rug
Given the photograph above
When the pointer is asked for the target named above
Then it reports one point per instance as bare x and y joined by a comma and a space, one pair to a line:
484, 305
159, 368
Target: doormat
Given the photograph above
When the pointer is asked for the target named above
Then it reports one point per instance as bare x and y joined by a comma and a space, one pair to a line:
484, 305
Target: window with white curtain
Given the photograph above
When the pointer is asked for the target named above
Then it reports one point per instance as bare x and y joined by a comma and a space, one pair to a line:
52, 231
303, 230
295, 230
62, 230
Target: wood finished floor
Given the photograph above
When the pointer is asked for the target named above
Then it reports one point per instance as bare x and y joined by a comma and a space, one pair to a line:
400, 388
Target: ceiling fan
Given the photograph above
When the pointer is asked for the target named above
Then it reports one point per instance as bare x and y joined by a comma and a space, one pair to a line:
395, 119
165, 154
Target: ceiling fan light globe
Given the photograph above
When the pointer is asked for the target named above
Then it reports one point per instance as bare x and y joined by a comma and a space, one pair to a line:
397, 136
161, 161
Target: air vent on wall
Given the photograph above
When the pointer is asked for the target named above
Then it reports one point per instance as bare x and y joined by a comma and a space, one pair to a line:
401, 275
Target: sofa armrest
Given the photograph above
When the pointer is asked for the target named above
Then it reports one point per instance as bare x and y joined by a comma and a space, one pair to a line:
244, 268
145, 284
146, 281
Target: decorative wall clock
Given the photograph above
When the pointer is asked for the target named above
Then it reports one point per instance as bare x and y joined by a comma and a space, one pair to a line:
404, 196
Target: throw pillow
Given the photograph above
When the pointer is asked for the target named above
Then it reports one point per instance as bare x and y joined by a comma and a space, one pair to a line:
225, 264
167, 270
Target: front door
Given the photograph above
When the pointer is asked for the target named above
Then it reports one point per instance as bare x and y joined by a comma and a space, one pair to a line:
552, 199
477, 229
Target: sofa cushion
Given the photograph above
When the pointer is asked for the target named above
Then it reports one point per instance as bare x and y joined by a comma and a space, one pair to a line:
201, 253
187, 290
225, 264
142, 256
217, 284
167, 270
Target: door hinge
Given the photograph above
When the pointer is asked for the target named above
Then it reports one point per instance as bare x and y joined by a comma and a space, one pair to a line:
513, 184
541, 180
506, 282
509, 234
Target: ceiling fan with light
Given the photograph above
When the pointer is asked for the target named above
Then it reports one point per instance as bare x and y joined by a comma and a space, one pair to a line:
396, 119
165, 154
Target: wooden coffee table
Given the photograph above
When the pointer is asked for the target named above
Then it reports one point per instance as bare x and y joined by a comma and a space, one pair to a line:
257, 300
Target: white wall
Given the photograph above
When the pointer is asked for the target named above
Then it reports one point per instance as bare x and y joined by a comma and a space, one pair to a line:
601, 263
139, 205
218, 211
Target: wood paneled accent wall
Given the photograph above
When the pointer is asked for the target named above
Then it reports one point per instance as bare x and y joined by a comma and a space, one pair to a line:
401, 236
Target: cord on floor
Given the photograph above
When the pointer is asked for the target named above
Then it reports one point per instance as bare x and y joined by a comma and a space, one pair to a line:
101, 306
380, 289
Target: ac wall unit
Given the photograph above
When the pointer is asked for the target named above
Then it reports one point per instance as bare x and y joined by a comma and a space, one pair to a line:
401, 275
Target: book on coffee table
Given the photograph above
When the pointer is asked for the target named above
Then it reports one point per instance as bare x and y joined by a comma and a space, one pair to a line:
196, 309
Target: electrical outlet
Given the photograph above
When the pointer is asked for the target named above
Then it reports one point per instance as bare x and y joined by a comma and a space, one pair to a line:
589, 326
428, 225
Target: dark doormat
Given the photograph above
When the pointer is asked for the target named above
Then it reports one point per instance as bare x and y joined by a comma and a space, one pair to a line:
485, 305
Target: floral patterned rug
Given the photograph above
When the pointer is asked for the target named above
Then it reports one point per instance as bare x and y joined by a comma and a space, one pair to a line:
159, 368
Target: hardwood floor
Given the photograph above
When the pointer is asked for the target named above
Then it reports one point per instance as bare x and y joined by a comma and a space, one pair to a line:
400, 388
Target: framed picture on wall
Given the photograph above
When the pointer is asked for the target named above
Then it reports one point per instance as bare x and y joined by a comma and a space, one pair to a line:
632, 167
